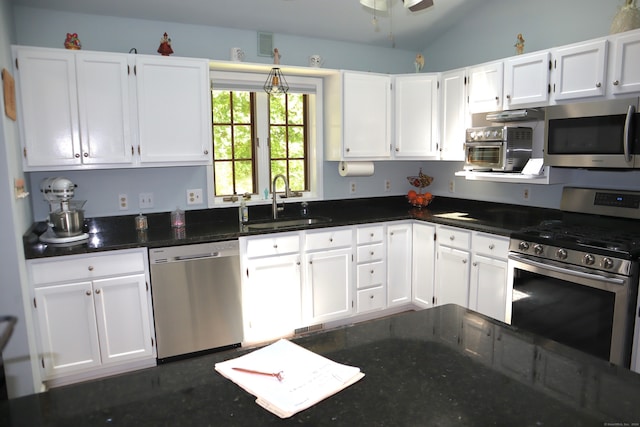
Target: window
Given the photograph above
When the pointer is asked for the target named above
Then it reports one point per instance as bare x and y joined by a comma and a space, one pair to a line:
257, 137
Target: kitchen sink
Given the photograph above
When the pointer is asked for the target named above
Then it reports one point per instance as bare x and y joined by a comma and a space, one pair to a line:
287, 222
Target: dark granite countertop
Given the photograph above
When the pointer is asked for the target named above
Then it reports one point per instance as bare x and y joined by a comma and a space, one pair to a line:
445, 366
208, 225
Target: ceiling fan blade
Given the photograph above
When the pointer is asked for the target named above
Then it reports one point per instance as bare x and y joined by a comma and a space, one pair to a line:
415, 5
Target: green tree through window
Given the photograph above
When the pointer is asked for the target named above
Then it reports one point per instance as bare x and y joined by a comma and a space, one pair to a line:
236, 132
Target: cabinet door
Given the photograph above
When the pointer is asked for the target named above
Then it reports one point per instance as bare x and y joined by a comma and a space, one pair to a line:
367, 115
488, 287
625, 73
271, 297
424, 257
452, 276
49, 106
174, 110
399, 252
67, 326
526, 80
485, 87
579, 71
328, 285
122, 312
103, 99
454, 115
416, 112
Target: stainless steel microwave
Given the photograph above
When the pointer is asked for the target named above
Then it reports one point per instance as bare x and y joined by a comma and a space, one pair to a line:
600, 134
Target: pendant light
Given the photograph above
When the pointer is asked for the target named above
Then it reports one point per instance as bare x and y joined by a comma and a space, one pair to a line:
276, 83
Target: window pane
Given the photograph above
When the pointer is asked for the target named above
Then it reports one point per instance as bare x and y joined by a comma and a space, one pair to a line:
223, 177
221, 106
296, 109
242, 138
278, 142
279, 167
296, 142
241, 107
222, 149
244, 177
277, 109
296, 175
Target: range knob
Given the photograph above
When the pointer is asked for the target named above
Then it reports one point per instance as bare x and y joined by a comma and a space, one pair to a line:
607, 262
588, 259
561, 254
523, 246
538, 249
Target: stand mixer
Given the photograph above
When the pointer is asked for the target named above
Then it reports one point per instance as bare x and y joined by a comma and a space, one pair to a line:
66, 217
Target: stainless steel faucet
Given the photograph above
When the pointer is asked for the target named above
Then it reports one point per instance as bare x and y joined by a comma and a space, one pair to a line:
274, 207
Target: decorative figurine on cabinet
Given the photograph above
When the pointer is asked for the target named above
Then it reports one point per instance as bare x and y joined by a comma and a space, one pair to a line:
419, 62
72, 42
519, 45
276, 56
165, 46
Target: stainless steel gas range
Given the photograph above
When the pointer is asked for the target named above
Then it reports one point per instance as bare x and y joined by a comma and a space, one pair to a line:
575, 280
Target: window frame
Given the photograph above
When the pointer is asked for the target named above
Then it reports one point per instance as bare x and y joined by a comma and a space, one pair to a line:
313, 86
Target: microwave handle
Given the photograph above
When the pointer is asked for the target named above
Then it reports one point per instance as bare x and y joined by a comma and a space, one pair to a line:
628, 137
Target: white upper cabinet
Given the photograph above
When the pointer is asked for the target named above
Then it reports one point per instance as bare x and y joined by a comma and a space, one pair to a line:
74, 108
174, 110
78, 109
526, 80
579, 71
415, 112
485, 87
358, 116
104, 105
453, 112
624, 74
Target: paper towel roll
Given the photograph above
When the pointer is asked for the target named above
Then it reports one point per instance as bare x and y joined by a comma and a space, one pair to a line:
355, 168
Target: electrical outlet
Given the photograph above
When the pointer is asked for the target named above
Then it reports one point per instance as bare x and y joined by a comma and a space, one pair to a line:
145, 200
194, 197
387, 185
452, 186
123, 202
526, 194
352, 187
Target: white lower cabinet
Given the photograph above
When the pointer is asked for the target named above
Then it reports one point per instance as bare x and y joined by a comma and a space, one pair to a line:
371, 272
328, 261
453, 256
488, 292
399, 263
271, 280
424, 262
93, 314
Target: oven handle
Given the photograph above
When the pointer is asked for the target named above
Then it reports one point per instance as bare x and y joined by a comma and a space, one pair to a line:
581, 274
628, 128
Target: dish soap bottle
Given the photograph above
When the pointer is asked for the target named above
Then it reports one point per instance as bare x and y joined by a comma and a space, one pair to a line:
243, 210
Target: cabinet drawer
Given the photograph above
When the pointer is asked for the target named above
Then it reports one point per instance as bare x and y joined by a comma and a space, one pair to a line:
328, 239
372, 274
370, 234
369, 253
273, 245
455, 238
491, 245
72, 268
371, 299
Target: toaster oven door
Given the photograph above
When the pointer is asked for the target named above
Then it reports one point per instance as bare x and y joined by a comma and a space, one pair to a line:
486, 155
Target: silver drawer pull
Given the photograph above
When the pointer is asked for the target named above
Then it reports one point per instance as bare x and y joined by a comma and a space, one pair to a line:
90, 268
452, 237
491, 246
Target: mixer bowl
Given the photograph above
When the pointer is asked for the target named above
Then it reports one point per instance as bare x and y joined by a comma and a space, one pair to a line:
67, 223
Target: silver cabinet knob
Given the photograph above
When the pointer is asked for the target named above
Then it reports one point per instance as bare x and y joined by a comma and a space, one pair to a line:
464, 261
598, 84
97, 291
88, 293
452, 237
616, 82
90, 268
491, 246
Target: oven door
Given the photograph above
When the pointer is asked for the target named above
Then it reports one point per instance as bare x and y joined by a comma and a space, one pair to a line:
582, 308
487, 155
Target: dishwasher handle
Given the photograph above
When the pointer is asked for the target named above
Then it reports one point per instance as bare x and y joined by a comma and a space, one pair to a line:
197, 256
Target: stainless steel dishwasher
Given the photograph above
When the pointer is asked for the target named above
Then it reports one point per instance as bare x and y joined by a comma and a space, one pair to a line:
196, 297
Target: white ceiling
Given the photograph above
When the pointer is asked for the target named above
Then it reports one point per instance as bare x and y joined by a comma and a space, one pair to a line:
343, 20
